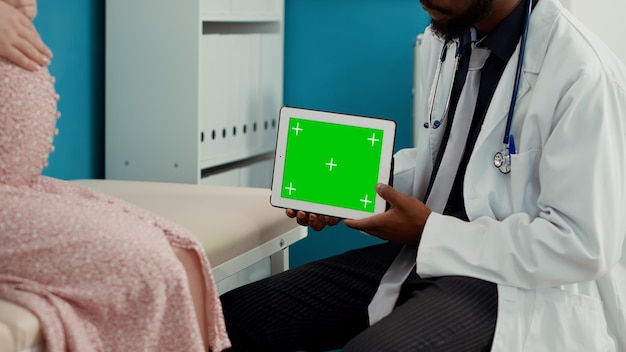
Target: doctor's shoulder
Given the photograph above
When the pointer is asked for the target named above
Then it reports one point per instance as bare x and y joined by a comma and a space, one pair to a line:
583, 53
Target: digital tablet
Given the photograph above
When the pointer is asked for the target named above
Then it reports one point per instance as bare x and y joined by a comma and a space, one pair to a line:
329, 163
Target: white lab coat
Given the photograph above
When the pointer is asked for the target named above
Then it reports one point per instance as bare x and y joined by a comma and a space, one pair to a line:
551, 233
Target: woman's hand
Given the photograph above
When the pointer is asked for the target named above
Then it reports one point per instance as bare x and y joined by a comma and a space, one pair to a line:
27, 7
19, 40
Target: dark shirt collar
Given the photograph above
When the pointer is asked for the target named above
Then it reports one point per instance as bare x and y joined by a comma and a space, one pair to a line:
503, 39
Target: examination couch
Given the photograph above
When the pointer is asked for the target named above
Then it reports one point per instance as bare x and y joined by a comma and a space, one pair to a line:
245, 238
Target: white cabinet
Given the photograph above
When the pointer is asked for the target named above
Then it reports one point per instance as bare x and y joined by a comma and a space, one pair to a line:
193, 90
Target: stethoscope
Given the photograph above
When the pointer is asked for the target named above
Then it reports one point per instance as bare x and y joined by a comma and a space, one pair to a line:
502, 158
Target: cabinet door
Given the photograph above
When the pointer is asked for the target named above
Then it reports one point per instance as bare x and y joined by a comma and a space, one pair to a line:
240, 90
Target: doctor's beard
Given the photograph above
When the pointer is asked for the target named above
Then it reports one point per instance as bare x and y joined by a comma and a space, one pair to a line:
457, 27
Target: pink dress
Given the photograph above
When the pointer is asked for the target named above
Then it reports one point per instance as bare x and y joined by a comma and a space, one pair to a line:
99, 273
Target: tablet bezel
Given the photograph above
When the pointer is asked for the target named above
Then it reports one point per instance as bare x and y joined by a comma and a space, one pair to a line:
385, 167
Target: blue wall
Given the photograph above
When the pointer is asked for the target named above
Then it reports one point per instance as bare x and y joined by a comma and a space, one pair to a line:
341, 55
353, 57
74, 31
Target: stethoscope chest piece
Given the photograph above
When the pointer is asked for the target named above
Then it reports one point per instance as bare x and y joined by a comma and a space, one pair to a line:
502, 162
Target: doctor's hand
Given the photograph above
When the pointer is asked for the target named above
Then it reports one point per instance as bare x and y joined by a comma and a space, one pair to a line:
19, 40
403, 223
315, 221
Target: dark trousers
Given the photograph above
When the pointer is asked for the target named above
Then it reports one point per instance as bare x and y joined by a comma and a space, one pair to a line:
322, 306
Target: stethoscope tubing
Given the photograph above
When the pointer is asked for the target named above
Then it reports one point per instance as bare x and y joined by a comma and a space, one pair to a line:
518, 75
442, 58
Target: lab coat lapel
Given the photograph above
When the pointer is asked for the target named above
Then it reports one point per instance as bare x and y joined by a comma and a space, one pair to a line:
536, 46
500, 103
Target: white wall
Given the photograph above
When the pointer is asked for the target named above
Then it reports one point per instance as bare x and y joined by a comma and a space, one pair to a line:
605, 18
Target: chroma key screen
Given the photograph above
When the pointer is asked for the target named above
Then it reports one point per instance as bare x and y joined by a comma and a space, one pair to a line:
332, 164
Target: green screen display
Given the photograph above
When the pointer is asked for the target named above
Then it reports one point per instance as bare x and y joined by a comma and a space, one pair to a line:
332, 164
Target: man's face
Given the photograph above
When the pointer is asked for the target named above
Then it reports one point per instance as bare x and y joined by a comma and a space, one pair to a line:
453, 18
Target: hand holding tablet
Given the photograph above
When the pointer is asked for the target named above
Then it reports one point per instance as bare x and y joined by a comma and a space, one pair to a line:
330, 163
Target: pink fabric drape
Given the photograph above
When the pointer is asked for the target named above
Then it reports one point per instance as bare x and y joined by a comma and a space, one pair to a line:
99, 273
